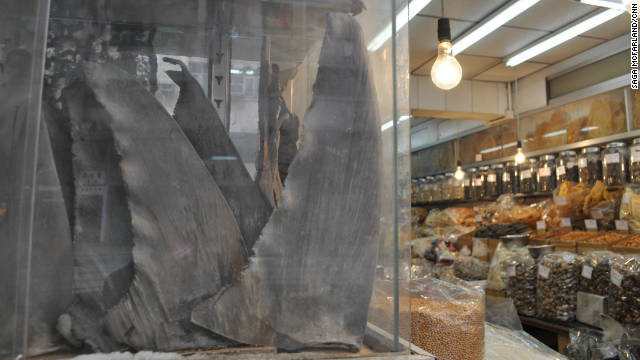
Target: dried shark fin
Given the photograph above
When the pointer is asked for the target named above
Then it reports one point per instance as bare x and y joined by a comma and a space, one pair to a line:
311, 278
187, 244
103, 238
201, 124
269, 107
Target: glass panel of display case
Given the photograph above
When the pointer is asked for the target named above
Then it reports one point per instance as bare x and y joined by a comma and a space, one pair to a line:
192, 175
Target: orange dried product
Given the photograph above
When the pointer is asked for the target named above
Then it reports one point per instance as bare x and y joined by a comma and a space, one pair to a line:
575, 236
605, 237
632, 241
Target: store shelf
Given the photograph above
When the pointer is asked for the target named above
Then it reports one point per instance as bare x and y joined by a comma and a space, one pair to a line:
535, 195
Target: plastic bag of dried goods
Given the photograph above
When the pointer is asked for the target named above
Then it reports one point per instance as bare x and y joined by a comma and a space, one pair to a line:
557, 285
522, 272
595, 276
624, 290
630, 207
505, 344
498, 268
447, 320
470, 268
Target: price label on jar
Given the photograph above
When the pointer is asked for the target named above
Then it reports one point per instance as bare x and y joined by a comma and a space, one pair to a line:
612, 158
541, 225
511, 271
616, 278
565, 222
543, 271
571, 164
622, 225
587, 271
506, 177
544, 171
590, 224
466, 182
491, 178
560, 170
561, 201
582, 163
526, 174
478, 157
477, 182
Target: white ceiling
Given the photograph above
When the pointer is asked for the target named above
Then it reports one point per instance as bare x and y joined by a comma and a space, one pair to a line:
485, 59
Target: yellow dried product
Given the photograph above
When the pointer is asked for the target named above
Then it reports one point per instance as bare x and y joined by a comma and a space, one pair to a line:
574, 236
605, 237
630, 209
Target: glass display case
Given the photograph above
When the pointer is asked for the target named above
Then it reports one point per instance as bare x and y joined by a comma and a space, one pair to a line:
193, 175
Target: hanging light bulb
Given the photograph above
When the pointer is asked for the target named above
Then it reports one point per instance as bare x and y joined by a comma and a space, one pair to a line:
446, 72
459, 174
519, 154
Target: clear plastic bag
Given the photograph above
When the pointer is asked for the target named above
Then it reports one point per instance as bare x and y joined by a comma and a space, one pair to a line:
505, 344
624, 290
447, 320
501, 311
522, 274
470, 269
499, 266
508, 210
595, 276
630, 207
557, 286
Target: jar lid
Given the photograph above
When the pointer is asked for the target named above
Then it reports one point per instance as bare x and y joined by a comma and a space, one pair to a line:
484, 168
473, 169
448, 174
429, 178
569, 153
439, 177
548, 157
591, 149
636, 140
532, 160
497, 166
616, 144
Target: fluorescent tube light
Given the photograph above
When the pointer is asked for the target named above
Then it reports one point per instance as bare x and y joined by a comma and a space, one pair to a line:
407, 13
604, 3
563, 36
507, 13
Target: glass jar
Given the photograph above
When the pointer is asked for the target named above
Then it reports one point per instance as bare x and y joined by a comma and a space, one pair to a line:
477, 185
509, 178
547, 173
427, 187
468, 183
567, 167
458, 186
447, 186
528, 173
615, 158
494, 180
437, 188
589, 165
483, 173
634, 161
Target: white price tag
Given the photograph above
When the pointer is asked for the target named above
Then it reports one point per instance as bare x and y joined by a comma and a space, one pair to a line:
541, 225
478, 157
612, 158
616, 278
561, 200
582, 163
622, 225
544, 171
560, 170
635, 156
477, 182
511, 271
478, 218
626, 198
565, 222
596, 214
591, 224
466, 182
506, 177
526, 174
571, 164
587, 271
543, 271
491, 178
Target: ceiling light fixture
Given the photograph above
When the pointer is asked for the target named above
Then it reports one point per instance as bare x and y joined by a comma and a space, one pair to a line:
519, 159
604, 3
563, 36
446, 72
407, 13
459, 174
506, 13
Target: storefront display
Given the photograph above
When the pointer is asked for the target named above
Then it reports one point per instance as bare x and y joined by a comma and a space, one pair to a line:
494, 180
528, 176
589, 165
567, 167
547, 173
510, 178
615, 159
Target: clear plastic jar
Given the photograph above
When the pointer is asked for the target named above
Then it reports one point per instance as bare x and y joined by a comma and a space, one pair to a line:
477, 186
468, 183
494, 180
547, 173
528, 174
447, 186
437, 188
482, 189
589, 165
509, 178
615, 158
634, 161
567, 167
